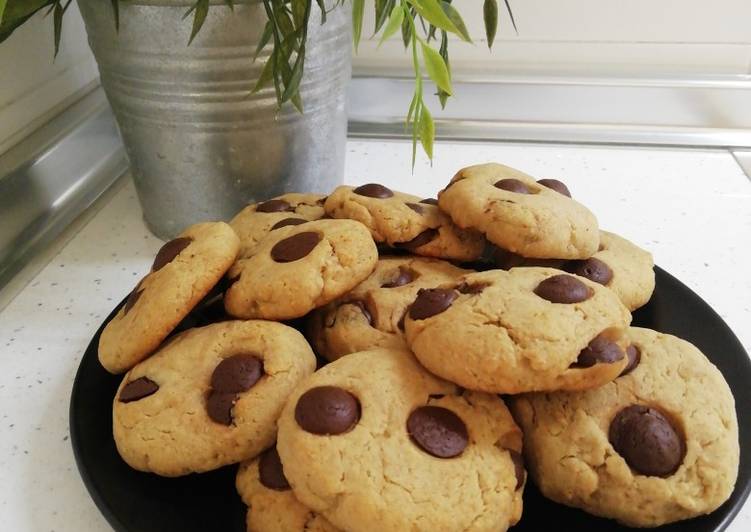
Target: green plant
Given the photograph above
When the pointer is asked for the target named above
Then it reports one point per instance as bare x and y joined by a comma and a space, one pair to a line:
424, 26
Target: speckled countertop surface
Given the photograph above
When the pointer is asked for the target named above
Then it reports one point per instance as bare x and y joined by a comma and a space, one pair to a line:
692, 209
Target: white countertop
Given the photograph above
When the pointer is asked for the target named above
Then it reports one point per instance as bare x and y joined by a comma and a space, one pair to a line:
692, 209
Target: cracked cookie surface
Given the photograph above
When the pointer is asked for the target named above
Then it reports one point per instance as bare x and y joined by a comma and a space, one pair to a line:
578, 458
272, 507
496, 331
184, 272
209, 397
256, 221
372, 314
519, 214
404, 221
298, 268
382, 469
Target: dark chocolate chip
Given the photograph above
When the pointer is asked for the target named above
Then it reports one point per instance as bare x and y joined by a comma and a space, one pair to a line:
237, 373
416, 207
634, 357
169, 251
503, 258
429, 201
286, 222
472, 288
219, 406
138, 389
518, 467
647, 440
558, 186
438, 431
274, 205
270, 471
322, 200
601, 350
592, 268
133, 298
430, 302
405, 276
400, 323
420, 240
374, 190
363, 308
327, 410
563, 289
295, 247
513, 185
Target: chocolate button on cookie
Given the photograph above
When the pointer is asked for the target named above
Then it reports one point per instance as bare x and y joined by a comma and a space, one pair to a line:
526, 329
301, 267
208, 398
405, 222
372, 441
272, 506
255, 221
372, 314
532, 219
657, 445
184, 272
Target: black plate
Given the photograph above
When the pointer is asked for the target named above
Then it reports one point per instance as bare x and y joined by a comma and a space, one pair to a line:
140, 502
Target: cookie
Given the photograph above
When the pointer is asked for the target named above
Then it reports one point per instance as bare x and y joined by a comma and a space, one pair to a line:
657, 445
405, 222
209, 397
298, 268
618, 264
526, 329
374, 442
372, 314
272, 507
255, 221
183, 273
519, 214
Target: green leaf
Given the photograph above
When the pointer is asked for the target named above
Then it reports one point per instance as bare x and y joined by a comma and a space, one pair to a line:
511, 15
58, 25
436, 67
201, 8
292, 84
230, 3
410, 112
267, 75
490, 16
358, 10
427, 131
18, 12
383, 11
395, 22
298, 12
457, 20
431, 11
116, 13
322, 7
3, 3
407, 30
418, 112
443, 96
268, 31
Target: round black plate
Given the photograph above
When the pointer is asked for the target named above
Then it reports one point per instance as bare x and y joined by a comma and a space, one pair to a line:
140, 502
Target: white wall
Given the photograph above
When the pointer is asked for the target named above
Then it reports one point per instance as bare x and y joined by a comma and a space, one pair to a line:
32, 86
624, 37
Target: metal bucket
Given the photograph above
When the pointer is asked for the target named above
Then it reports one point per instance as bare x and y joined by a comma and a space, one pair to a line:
200, 145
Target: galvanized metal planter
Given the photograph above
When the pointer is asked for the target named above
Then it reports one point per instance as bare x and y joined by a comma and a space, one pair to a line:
200, 145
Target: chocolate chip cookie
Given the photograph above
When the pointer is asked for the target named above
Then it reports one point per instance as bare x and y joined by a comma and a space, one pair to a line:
255, 221
183, 273
298, 268
209, 397
374, 442
519, 214
372, 314
520, 330
405, 222
272, 507
657, 445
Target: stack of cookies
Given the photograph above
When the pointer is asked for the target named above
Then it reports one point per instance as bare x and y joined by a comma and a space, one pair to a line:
458, 344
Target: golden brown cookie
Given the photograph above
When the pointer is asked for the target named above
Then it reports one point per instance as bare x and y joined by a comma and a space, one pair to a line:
405, 222
298, 268
520, 330
209, 397
184, 272
374, 442
519, 214
657, 445
372, 314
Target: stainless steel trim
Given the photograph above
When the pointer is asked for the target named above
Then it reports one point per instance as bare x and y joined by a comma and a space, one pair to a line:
52, 176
